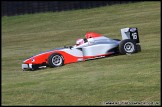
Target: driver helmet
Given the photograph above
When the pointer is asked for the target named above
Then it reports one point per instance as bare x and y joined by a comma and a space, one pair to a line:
79, 41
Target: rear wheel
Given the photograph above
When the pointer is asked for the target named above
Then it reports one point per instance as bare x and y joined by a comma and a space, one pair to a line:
55, 60
127, 46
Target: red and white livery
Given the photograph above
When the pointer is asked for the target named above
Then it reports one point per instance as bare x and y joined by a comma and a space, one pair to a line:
93, 46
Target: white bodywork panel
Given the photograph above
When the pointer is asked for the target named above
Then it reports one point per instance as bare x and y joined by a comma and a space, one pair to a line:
95, 50
125, 33
73, 51
94, 46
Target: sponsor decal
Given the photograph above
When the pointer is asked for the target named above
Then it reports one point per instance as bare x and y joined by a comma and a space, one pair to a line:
133, 29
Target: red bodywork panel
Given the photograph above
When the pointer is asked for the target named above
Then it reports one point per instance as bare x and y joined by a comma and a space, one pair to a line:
92, 35
42, 58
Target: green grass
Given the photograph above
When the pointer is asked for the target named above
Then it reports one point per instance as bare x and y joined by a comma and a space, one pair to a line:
125, 78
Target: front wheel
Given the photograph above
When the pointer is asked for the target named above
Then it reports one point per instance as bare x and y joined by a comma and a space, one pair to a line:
55, 60
127, 46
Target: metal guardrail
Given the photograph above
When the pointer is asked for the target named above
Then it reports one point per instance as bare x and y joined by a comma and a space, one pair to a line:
11, 8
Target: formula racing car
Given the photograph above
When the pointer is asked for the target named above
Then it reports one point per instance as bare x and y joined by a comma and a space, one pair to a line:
93, 46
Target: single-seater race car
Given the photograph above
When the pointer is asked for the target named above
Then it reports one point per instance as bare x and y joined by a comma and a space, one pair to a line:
93, 46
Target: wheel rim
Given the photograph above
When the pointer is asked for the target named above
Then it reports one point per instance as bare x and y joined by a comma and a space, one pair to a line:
57, 60
129, 47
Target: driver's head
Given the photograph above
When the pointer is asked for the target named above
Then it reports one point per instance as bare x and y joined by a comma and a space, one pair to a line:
79, 41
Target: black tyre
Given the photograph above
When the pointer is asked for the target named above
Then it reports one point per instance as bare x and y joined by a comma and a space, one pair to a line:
34, 67
127, 46
138, 48
55, 60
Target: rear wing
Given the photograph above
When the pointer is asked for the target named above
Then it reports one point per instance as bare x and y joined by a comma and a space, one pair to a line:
130, 33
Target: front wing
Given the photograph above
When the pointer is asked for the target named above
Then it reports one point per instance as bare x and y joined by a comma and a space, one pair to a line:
31, 66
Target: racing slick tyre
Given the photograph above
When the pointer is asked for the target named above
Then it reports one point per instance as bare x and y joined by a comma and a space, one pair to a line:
127, 46
138, 48
34, 67
55, 60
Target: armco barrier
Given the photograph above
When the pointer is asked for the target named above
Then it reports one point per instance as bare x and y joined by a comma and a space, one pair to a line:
10, 8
